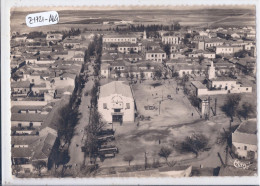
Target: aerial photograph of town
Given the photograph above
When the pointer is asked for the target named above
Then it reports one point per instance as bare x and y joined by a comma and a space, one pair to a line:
134, 92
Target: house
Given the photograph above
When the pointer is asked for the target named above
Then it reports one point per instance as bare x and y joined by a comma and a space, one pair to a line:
244, 140
146, 45
71, 43
106, 58
247, 65
171, 39
44, 61
209, 55
110, 46
119, 38
20, 38
227, 85
20, 88
235, 35
27, 120
133, 57
118, 65
127, 48
199, 88
177, 55
116, 102
155, 55
78, 57
54, 37
29, 149
105, 70
226, 49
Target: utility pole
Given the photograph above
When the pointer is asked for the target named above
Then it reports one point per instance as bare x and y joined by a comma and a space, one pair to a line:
215, 106
145, 160
209, 108
159, 107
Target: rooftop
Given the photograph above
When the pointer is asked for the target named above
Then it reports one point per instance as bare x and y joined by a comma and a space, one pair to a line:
119, 36
155, 51
16, 109
20, 84
115, 87
249, 127
28, 117
198, 85
222, 78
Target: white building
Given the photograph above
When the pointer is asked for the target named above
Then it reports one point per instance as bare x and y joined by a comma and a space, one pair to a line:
126, 48
171, 39
155, 55
105, 70
228, 49
54, 37
244, 140
119, 39
116, 102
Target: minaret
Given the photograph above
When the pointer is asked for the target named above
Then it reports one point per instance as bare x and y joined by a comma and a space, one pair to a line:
211, 71
144, 37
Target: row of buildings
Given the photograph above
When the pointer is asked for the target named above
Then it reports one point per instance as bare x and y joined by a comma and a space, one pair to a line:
43, 77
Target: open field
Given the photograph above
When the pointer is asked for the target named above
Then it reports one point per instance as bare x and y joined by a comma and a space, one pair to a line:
195, 17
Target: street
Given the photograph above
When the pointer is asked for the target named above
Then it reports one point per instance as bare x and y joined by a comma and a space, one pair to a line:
76, 155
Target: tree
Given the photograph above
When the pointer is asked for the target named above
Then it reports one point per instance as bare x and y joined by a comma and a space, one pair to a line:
195, 143
165, 74
38, 166
165, 153
246, 110
231, 105
167, 49
118, 73
177, 26
158, 74
131, 77
148, 66
15, 76
142, 75
194, 100
132, 51
128, 158
175, 74
241, 54
201, 58
184, 80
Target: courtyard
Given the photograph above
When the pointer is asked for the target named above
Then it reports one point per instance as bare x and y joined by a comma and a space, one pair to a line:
169, 121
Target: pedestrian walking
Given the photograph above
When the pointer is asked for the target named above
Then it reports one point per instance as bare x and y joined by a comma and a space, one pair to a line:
192, 114
159, 142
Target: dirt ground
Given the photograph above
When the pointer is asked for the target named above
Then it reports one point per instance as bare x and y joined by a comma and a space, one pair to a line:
169, 128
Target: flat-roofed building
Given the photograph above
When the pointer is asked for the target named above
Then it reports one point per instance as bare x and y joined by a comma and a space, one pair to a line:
116, 102
127, 48
54, 37
228, 49
155, 55
119, 38
171, 39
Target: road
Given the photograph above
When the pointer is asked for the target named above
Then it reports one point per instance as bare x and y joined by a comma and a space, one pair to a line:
76, 155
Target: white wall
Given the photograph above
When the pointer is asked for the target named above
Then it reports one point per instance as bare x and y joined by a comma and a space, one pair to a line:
238, 149
128, 114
